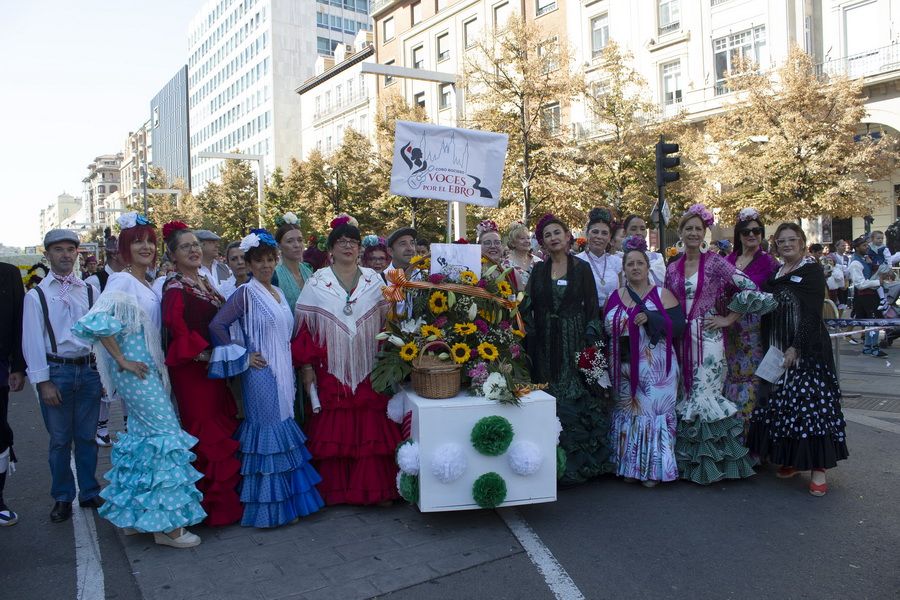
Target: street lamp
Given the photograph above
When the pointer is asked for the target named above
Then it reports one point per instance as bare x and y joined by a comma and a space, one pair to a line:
260, 200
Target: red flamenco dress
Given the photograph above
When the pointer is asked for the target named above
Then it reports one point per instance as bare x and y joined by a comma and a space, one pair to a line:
206, 406
351, 439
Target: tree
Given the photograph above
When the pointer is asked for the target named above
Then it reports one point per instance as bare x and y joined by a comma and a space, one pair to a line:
230, 207
520, 83
790, 146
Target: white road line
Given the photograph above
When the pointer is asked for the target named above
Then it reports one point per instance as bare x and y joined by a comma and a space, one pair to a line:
554, 574
851, 415
89, 583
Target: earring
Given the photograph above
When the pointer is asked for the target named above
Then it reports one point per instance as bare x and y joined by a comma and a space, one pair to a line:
704, 247
679, 246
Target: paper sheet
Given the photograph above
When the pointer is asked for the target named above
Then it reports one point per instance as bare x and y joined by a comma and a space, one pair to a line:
771, 368
314, 399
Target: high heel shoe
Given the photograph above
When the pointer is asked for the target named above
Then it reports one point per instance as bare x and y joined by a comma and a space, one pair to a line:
185, 540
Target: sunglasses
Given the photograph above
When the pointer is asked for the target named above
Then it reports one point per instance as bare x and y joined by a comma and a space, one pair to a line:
757, 231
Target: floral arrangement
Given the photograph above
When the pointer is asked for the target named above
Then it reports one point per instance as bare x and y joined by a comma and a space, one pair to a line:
344, 219
476, 316
748, 214
634, 242
287, 218
592, 365
132, 219
703, 212
580, 244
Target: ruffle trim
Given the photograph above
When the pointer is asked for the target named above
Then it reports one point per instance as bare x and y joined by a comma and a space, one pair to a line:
752, 302
804, 454
217, 459
650, 440
228, 361
705, 409
709, 452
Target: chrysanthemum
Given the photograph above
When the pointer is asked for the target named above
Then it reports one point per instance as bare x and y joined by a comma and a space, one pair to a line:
409, 351
437, 303
488, 351
460, 353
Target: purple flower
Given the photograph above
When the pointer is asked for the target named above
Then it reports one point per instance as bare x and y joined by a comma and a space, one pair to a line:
440, 322
481, 325
482, 283
436, 278
504, 325
515, 350
478, 373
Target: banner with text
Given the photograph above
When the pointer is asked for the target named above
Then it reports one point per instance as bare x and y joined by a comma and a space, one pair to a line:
448, 163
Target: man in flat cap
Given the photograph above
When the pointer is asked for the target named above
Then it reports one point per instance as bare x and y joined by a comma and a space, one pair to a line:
402, 244
215, 272
61, 367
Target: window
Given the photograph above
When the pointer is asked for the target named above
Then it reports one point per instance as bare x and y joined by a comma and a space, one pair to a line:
388, 29
327, 100
349, 91
419, 99
550, 118
388, 80
502, 13
548, 52
669, 16
340, 134
338, 96
728, 51
599, 34
443, 47
415, 13
362, 124
318, 105
446, 91
545, 6
328, 144
418, 57
156, 116
470, 32
671, 82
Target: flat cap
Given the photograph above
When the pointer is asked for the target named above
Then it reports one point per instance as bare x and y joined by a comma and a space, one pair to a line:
55, 236
400, 233
205, 235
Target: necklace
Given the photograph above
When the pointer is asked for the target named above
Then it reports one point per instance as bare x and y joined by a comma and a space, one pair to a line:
594, 262
348, 306
742, 263
785, 271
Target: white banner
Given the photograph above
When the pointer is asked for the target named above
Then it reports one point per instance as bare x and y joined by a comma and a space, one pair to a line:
447, 163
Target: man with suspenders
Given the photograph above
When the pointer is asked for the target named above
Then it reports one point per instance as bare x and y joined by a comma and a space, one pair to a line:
61, 367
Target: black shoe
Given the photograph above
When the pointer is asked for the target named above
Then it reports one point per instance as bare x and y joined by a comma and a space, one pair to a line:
62, 511
95, 502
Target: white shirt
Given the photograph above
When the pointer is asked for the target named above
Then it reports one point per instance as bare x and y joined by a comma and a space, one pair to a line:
158, 285
95, 281
606, 270
224, 285
835, 281
147, 298
657, 268
36, 342
858, 278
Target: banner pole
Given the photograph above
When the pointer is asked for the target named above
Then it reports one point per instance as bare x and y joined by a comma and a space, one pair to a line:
449, 222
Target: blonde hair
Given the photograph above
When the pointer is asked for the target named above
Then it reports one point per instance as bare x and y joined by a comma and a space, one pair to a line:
514, 229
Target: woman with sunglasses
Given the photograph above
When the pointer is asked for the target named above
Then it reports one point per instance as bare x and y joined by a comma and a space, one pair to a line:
743, 347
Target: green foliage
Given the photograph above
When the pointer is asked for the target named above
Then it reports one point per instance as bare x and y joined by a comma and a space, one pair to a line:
492, 435
409, 488
389, 369
560, 462
230, 207
489, 490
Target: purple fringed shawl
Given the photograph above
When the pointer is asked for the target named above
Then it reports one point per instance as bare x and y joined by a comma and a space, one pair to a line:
761, 267
715, 287
634, 336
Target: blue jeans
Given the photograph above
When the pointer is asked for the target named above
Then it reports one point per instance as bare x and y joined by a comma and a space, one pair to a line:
74, 420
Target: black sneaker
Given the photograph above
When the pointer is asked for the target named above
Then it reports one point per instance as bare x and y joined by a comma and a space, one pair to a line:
879, 353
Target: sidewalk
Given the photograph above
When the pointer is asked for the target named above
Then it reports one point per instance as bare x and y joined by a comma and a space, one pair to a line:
868, 382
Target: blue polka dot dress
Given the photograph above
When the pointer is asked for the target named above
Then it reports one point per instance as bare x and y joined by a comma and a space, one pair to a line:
151, 483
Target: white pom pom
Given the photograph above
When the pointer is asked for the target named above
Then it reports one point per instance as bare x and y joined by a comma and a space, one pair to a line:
408, 458
558, 430
448, 462
395, 409
525, 458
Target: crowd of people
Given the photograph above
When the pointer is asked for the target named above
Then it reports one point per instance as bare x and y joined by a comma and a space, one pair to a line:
245, 377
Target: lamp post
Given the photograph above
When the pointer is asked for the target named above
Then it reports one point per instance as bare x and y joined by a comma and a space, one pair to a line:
260, 198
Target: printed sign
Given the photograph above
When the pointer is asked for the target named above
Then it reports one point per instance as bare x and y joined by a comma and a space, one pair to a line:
448, 163
453, 259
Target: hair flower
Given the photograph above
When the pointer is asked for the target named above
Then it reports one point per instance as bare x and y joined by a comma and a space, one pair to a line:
703, 212
249, 241
539, 230
264, 237
748, 214
171, 227
486, 226
371, 241
344, 219
290, 218
634, 242
127, 220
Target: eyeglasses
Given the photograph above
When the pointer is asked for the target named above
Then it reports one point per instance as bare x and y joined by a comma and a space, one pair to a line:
786, 241
757, 231
490, 243
189, 246
346, 243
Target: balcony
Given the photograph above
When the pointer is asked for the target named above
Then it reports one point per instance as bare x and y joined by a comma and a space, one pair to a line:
879, 61
344, 105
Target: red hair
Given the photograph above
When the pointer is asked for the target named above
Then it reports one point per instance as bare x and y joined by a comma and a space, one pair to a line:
132, 235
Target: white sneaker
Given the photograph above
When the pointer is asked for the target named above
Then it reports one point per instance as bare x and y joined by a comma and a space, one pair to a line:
185, 540
103, 440
8, 517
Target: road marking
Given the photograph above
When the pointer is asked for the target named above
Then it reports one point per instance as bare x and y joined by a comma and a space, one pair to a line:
851, 415
554, 574
89, 583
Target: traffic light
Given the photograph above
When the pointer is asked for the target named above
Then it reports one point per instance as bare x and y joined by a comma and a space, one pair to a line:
664, 163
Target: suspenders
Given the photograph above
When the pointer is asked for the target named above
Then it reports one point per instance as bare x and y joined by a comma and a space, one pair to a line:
46, 310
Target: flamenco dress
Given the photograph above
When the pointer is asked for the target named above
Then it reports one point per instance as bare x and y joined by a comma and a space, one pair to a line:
152, 483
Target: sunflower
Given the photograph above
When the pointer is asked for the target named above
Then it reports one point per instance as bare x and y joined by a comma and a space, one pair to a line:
438, 303
504, 289
465, 328
485, 314
484, 260
460, 353
488, 351
468, 278
430, 330
416, 260
518, 332
409, 351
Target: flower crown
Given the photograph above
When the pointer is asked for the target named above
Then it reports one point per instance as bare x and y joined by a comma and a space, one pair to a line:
255, 238
486, 226
132, 219
317, 241
372, 240
539, 230
287, 218
634, 242
344, 219
701, 211
748, 214
171, 227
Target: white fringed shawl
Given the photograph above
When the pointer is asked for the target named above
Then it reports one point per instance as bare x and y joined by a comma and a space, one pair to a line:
350, 339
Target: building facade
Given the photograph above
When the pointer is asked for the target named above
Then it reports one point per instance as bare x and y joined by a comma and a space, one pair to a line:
59, 213
170, 130
246, 59
103, 178
339, 97
136, 158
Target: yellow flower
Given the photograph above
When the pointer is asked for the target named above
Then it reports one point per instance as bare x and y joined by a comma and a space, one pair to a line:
460, 353
484, 314
518, 332
415, 260
409, 351
671, 252
465, 328
484, 260
430, 330
438, 303
488, 351
504, 289
468, 278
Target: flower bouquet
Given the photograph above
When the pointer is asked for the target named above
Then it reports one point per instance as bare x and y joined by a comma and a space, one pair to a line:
593, 366
475, 316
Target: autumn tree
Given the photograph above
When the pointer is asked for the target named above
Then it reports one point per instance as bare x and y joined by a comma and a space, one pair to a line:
789, 146
230, 207
165, 207
520, 82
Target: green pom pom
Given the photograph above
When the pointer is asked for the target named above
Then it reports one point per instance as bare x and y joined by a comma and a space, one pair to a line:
560, 461
409, 488
492, 435
489, 490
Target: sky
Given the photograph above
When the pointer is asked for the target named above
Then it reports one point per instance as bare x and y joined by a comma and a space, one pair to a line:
75, 79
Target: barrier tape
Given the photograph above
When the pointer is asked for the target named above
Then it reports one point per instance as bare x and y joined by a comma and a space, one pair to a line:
881, 323
857, 332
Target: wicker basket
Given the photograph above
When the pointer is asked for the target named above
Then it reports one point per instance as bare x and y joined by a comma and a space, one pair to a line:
434, 378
